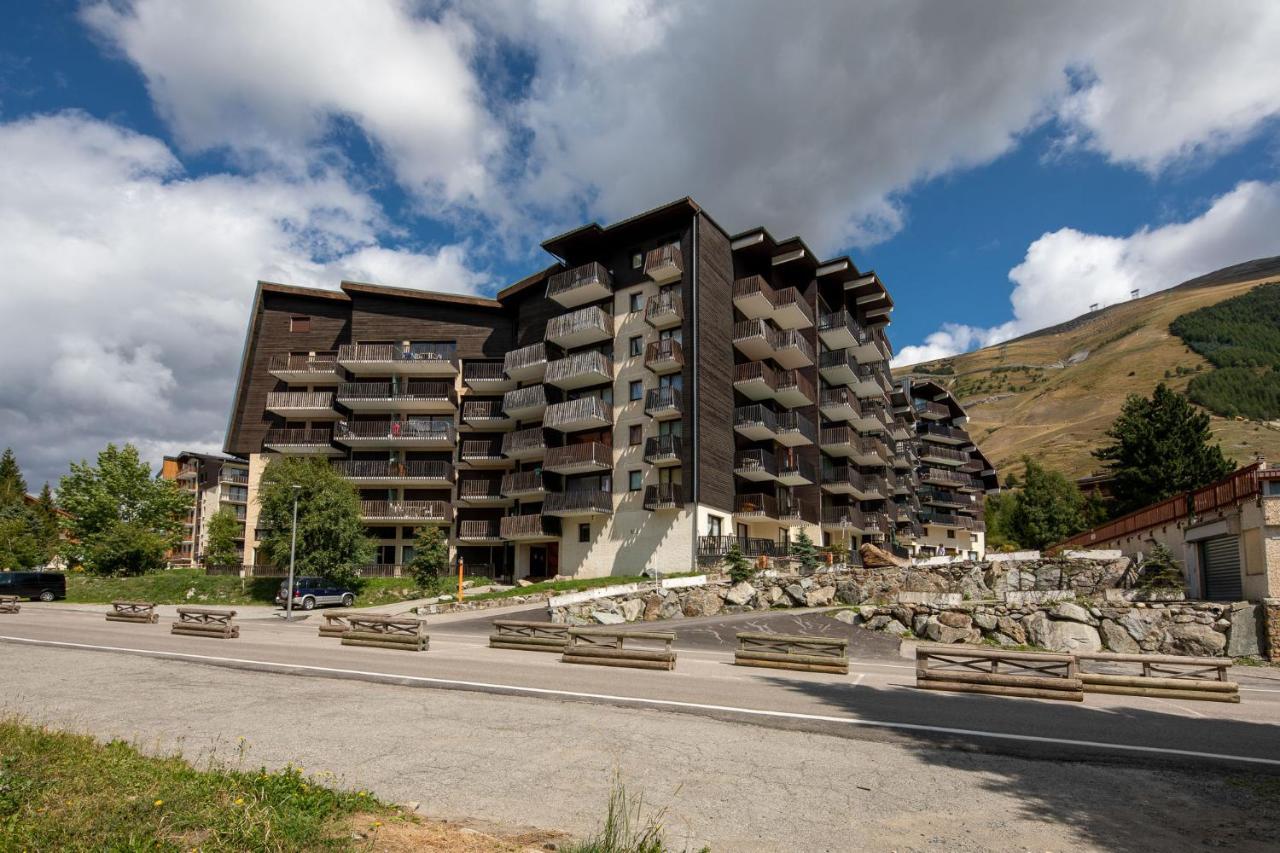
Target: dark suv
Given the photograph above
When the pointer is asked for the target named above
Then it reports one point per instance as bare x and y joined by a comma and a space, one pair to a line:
310, 592
45, 586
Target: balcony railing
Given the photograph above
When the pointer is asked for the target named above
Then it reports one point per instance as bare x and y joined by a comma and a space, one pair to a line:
837, 363
794, 428
479, 530
842, 437
929, 409
524, 443
483, 411
377, 469
946, 519
790, 508
793, 388
664, 356
664, 310
792, 349
580, 369
664, 264
523, 484
755, 505
480, 450
662, 402
407, 431
791, 309
585, 283
234, 476
842, 516
755, 372
483, 371
527, 362
357, 394
320, 363
755, 419
298, 437
791, 467
529, 527
755, 464
578, 502
306, 400
946, 454
584, 326
579, 457
442, 352
663, 448
837, 399
944, 433
417, 511
480, 490
664, 496
528, 401
583, 413
751, 546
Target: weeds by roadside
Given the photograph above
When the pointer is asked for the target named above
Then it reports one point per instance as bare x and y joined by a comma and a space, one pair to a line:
627, 829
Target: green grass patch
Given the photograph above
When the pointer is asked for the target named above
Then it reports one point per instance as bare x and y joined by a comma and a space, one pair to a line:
62, 791
193, 586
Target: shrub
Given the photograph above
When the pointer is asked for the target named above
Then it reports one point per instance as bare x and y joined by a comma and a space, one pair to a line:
740, 568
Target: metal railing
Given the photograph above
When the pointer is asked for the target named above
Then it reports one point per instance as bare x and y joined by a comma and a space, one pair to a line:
325, 362
590, 453
529, 397
663, 447
578, 500
592, 319
667, 349
406, 510
406, 392
578, 364
581, 276
526, 526
755, 504
523, 440
663, 495
479, 528
377, 469
526, 356
573, 411
406, 430
755, 462
298, 437
794, 422
662, 399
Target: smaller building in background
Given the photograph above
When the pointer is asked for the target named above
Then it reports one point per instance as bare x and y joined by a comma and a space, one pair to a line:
213, 482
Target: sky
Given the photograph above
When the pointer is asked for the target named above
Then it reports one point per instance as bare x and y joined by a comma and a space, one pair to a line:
1001, 165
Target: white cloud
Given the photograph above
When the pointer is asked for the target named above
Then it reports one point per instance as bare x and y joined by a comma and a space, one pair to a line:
268, 80
128, 283
1067, 271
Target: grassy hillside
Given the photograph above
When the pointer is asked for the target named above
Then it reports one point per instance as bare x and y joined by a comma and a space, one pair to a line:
1052, 394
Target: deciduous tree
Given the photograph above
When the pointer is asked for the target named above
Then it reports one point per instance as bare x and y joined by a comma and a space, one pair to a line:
430, 558
224, 530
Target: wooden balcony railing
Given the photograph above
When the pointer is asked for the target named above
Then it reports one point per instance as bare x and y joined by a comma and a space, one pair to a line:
755, 415
406, 430
524, 440
526, 356
928, 430
794, 422
377, 469
300, 400
937, 451
794, 379
664, 308
792, 339
529, 526
576, 411
297, 437
442, 351
842, 516
833, 398
579, 364
790, 464
662, 262
579, 501
666, 351
841, 319
406, 392
789, 297
582, 276
439, 511
589, 319
523, 483
834, 358
483, 410
572, 455
321, 362
484, 371
755, 370
480, 489
480, 450
479, 529
928, 408
530, 397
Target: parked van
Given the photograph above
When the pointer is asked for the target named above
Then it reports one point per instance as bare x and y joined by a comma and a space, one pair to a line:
45, 586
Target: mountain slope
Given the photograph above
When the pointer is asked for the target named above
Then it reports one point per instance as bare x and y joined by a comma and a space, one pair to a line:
1052, 393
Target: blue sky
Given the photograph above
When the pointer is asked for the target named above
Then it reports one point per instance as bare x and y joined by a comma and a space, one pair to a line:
1002, 165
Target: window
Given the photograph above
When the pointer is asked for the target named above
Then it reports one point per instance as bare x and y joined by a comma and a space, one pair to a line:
636, 389
636, 435
635, 480
637, 301
584, 532
299, 324
637, 260
637, 345
951, 534
714, 525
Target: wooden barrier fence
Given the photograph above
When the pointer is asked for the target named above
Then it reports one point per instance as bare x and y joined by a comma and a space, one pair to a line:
1037, 675
9, 604
336, 623
205, 622
610, 648
386, 632
142, 612
783, 651
1161, 677
529, 636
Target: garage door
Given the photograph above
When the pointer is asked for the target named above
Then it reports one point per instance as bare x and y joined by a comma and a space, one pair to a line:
1222, 568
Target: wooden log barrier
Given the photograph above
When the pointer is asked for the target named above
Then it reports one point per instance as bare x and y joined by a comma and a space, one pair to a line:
377, 631
336, 623
1159, 676
142, 612
785, 651
1035, 675
638, 649
205, 622
9, 604
529, 636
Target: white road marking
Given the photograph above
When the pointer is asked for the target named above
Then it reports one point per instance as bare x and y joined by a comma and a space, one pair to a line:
666, 703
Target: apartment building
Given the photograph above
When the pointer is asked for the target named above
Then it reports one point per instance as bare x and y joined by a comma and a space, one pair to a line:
661, 390
213, 482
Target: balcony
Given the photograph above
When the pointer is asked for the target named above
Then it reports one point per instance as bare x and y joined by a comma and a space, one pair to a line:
524, 445
838, 366
755, 380
755, 506
838, 440
663, 451
439, 435
791, 349
483, 453
302, 404
482, 492
416, 359
944, 434
664, 264
189, 471
871, 380
234, 476
486, 377
478, 531
790, 310
664, 496
845, 480
580, 370
421, 397
525, 404
930, 411
753, 297
872, 416
790, 509
871, 345
486, 414
529, 528
318, 369
578, 502
754, 339
579, 458
664, 310
944, 498
793, 471
946, 519
940, 455
580, 285
794, 429
838, 329
301, 442
839, 404
664, 356
525, 485
376, 472
413, 512
870, 450
663, 404
792, 388
755, 465
944, 477
755, 422
580, 414
846, 519
589, 325
527, 364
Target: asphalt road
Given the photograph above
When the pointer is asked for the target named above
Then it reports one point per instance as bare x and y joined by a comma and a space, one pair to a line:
807, 740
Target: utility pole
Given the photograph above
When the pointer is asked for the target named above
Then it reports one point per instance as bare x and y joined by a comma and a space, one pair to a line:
293, 549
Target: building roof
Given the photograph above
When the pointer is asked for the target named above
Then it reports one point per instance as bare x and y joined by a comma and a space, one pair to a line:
359, 287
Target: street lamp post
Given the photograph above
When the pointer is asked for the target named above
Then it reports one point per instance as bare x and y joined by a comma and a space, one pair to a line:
293, 549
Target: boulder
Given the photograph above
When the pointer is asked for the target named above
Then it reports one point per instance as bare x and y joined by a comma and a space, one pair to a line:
773, 595
896, 628
876, 558
820, 597
878, 622
740, 593
939, 633
1117, 639
846, 616
1061, 636
1072, 613
652, 608
1194, 639
796, 593
952, 619
985, 621
632, 609
523, 582
918, 624
1246, 631
605, 617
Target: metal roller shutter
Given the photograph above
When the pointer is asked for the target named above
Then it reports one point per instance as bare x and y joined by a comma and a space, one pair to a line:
1222, 568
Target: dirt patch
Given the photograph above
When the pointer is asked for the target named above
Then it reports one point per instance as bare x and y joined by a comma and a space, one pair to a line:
405, 833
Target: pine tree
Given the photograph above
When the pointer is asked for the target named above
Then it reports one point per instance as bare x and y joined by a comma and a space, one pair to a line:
13, 488
803, 551
49, 524
739, 566
1159, 448
1047, 509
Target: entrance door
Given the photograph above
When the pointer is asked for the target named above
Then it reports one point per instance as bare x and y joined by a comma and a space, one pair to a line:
1221, 556
537, 561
